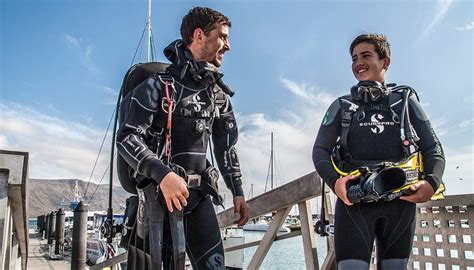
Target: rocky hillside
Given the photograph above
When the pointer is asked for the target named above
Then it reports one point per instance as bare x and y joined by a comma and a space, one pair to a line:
45, 196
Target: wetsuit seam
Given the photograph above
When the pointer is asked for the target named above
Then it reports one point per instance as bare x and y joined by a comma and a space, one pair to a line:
358, 227
209, 250
390, 241
190, 253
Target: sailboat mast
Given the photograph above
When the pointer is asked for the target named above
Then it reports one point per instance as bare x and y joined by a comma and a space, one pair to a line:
148, 32
271, 161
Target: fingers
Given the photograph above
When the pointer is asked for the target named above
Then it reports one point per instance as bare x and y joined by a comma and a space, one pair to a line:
169, 205
182, 200
177, 203
244, 215
341, 190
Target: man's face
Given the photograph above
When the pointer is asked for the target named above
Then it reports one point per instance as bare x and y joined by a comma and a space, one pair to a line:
366, 65
214, 45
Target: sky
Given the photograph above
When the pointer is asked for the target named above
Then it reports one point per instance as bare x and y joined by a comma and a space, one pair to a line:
63, 62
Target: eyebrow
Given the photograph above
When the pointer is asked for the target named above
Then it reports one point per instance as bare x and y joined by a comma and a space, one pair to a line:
362, 53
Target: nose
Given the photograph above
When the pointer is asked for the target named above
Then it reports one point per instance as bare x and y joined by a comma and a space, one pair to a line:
227, 45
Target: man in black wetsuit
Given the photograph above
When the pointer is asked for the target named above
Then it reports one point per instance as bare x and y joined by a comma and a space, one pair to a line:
374, 135
201, 107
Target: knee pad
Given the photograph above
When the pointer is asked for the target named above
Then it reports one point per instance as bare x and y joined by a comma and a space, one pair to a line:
352, 264
394, 264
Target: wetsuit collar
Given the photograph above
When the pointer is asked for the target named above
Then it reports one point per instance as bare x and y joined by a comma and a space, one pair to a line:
183, 65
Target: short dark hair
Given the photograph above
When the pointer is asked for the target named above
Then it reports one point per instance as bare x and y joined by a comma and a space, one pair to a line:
382, 47
201, 17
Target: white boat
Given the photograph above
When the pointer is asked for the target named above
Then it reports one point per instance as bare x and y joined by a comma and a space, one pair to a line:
262, 225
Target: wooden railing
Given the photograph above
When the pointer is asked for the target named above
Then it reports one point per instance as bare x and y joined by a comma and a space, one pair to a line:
13, 210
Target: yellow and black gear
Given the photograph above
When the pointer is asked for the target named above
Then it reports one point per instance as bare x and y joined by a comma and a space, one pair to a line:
390, 180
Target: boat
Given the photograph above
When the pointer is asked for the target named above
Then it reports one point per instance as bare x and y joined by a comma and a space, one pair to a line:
293, 223
261, 224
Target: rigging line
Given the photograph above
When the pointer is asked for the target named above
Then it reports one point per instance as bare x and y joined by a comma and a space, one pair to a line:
98, 154
153, 48
138, 46
103, 175
279, 168
268, 174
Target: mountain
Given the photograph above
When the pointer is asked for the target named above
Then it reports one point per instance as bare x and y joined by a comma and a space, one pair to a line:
46, 195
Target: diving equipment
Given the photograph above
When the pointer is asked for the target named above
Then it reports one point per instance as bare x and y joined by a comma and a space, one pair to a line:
386, 180
367, 91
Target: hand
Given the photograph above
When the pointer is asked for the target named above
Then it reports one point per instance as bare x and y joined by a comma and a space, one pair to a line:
241, 207
422, 192
340, 188
175, 191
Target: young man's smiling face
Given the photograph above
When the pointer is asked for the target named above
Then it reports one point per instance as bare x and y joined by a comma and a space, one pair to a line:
366, 64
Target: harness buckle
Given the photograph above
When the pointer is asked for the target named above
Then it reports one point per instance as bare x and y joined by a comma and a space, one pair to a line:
194, 180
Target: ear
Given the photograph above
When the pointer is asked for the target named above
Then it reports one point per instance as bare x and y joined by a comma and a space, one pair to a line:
198, 35
386, 62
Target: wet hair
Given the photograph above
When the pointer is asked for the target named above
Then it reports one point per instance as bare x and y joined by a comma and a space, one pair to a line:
382, 47
201, 17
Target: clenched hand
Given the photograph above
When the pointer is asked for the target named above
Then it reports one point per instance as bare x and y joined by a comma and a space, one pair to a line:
241, 207
175, 191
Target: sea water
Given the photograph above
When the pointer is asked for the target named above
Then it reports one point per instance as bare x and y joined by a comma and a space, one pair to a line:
285, 254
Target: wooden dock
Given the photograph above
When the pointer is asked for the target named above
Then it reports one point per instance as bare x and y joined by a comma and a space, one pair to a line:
38, 258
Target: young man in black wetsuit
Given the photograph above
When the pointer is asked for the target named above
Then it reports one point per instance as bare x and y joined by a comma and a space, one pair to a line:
373, 136
201, 107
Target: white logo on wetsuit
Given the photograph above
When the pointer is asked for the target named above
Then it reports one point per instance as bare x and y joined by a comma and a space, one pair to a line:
377, 123
196, 102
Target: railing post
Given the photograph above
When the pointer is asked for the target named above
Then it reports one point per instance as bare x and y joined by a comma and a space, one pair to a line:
60, 218
79, 238
330, 260
52, 227
268, 238
307, 233
48, 227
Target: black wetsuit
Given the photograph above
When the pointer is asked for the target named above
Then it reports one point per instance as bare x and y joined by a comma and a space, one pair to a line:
374, 135
201, 109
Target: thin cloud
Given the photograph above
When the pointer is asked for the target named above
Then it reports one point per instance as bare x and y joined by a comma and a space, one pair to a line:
110, 91
467, 124
466, 27
85, 52
58, 148
441, 8
307, 93
72, 40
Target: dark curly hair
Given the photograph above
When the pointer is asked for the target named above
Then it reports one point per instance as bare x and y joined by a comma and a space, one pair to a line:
382, 47
201, 17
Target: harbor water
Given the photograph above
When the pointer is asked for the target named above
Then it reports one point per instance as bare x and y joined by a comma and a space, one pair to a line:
285, 254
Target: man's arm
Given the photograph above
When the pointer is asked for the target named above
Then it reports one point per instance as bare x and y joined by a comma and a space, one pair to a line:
137, 142
138, 112
224, 137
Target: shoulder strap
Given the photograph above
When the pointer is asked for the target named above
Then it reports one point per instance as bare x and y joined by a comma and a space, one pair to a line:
348, 108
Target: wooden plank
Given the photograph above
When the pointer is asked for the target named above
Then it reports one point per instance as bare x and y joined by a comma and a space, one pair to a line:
256, 243
268, 238
330, 260
110, 262
301, 189
309, 239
